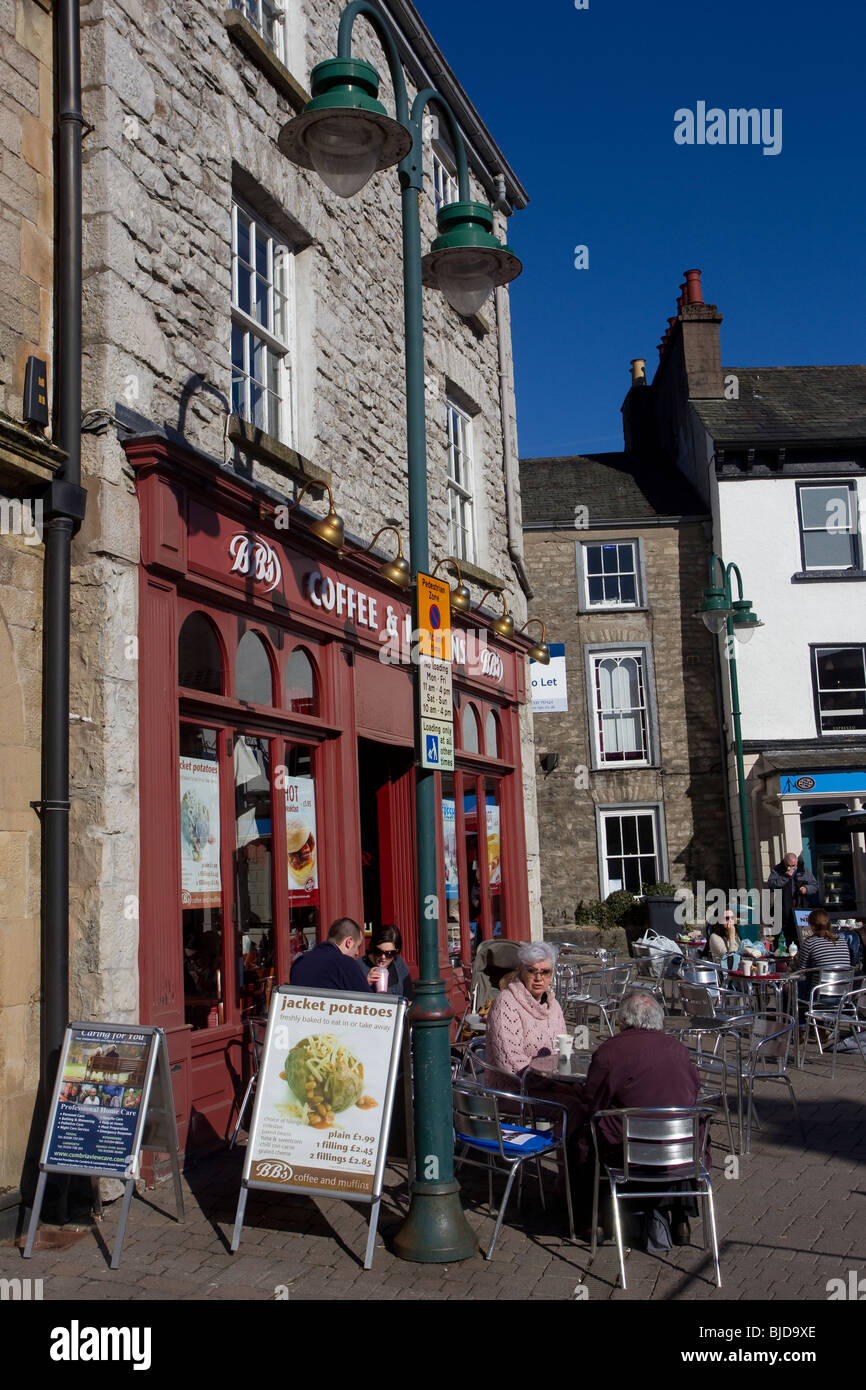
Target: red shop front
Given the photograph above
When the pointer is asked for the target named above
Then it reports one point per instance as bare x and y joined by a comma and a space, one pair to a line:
277, 756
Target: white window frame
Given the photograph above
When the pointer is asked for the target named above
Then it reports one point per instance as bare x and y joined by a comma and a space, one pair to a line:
268, 18
652, 810
603, 758
589, 605
278, 349
445, 186
849, 488
461, 482
822, 714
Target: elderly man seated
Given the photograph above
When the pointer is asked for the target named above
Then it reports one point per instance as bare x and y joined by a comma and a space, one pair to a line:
640, 1067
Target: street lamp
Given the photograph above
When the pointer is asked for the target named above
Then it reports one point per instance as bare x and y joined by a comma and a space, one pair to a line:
346, 135
720, 612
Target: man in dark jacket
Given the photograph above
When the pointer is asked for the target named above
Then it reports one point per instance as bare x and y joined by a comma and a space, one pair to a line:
334, 964
641, 1067
798, 886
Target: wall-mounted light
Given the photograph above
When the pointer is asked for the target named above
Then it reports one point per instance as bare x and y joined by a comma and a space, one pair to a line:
461, 599
396, 571
327, 528
503, 626
541, 651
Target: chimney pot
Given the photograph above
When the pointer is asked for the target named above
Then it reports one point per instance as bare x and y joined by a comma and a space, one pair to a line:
638, 370
694, 292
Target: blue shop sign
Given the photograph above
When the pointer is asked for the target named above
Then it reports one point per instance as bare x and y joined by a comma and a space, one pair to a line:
843, 784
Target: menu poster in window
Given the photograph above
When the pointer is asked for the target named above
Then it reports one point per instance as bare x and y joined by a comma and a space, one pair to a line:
449, 839
200, 833
301, 848
325, 1093
98, 1102
494, 852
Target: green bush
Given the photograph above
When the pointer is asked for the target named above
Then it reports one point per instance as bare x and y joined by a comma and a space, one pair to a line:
619, 905
658, 890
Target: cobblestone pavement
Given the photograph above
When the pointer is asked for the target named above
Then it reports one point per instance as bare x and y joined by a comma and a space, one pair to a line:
793, 1219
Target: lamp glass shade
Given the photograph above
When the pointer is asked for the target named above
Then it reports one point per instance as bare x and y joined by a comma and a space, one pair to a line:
466, 277
714, 620
345, 150
744, 632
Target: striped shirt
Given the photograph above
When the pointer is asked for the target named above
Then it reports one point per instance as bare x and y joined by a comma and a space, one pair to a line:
820, 954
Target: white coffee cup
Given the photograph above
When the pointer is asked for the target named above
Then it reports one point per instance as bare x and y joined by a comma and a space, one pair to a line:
762, 967
747, 966
565, 1044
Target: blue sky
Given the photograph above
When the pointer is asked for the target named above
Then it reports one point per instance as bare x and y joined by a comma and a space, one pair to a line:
582, 104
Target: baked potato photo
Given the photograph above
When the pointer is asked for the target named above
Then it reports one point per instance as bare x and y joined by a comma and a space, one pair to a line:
325, 1076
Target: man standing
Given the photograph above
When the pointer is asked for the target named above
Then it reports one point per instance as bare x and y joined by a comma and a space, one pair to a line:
798, 887
334, 964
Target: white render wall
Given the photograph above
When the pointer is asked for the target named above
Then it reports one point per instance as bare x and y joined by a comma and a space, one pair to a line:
758, 527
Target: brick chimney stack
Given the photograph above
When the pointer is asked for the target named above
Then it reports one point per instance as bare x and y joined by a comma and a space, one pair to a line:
702, 349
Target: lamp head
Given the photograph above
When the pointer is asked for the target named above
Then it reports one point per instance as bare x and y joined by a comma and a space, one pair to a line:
540, 653
397, 572
461, 597
466, 261
745, 621
344, 133
329, 529
715, 609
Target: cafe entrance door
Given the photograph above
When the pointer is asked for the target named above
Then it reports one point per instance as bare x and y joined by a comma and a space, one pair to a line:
387, 827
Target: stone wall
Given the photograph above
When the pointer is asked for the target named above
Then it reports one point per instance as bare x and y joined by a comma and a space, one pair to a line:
26, 270
181, 117
688, 783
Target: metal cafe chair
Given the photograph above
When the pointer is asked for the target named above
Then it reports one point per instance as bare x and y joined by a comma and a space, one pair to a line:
700, 1003
659, 1147
602, 990
257, 1026
480, 1125
825, 999
714, 1068
767, 1060
851, 1015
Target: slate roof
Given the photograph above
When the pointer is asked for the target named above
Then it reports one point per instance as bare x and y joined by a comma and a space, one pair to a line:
788, 404
614, 487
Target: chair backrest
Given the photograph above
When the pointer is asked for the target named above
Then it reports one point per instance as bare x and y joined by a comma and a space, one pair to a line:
697, 1001
670, 1140
617, 979
700, 972
831, 984
770, 1042
476, 1115
258, 1027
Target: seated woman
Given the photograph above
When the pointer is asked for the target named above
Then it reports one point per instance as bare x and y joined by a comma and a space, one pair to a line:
823, 950
386, 943
525, 1017
723, 938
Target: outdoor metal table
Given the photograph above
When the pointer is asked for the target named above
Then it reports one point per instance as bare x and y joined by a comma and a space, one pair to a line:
573, 1068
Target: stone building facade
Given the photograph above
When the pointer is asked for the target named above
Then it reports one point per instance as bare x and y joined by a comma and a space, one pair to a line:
184, 105
27, 462
637, 796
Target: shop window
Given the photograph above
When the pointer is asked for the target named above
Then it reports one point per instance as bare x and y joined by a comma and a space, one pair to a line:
470, 849
494, 856
491, 735
469, 730
301, 695
828, 526
199, 657
619, 703
254, 901
840, 689
302, 848
254, 682
609, 574
451, 865
262, 326
629, 850
461, 502
202, 915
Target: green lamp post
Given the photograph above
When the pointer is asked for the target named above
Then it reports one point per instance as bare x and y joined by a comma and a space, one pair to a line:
346, 135
720, 612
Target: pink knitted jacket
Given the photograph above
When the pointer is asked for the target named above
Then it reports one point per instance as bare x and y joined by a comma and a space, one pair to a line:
518, 1027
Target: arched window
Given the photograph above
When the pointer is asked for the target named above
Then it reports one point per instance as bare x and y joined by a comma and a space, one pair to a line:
253, 677
301, 687
199, 658
469, 730
491, 735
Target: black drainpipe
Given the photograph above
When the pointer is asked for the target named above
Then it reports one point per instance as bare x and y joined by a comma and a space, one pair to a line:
64, 510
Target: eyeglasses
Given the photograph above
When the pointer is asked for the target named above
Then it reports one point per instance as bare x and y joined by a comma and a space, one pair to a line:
377, 951
545, 974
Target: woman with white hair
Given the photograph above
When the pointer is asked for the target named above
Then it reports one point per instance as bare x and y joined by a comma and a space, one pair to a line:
525, 1017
